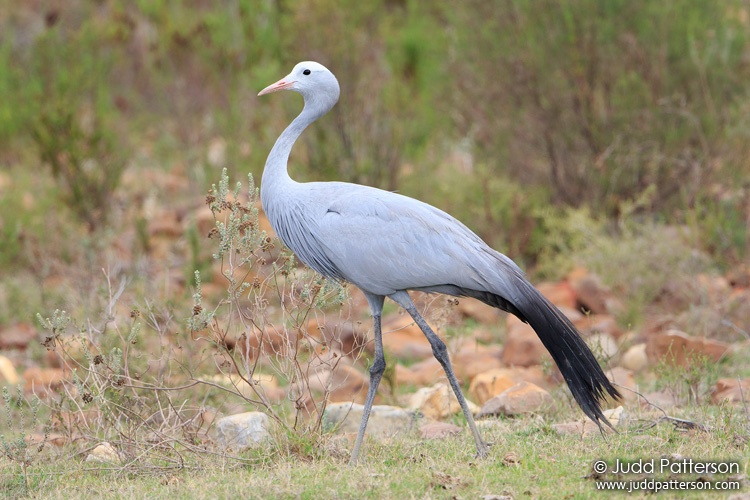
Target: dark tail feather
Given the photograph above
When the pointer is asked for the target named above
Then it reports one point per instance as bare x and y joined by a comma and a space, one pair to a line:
576, 362
580, 369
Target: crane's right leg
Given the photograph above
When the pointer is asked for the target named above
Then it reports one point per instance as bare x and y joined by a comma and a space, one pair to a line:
376, 371
440, 351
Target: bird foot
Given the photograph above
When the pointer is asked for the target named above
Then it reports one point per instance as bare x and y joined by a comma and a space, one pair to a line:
483, 450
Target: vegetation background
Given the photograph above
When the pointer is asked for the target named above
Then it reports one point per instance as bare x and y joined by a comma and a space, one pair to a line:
619, 107
610, 134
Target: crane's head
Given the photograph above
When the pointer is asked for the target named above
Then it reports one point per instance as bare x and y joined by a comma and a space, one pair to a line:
313, 80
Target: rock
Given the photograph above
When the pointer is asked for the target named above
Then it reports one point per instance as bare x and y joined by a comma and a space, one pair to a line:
523, 397
713, 287
439, 430
52, 438
36, 377
486, 335
662, 399
8, 373
403, 339
616, 416
603, 344
434, 402
166, 224
574, 315
53, 359
473, 359
493, 382
267, 384
104, 453
243, 430
591, 324
437, 402
731, 390
559, 293
270, 342
479, 311
680, 349
204, 220
523, 347
17, 336
384, 422
339, 336
591, 292
635, 358
625, 378
342, 382
739, 276
348, 384
419, 374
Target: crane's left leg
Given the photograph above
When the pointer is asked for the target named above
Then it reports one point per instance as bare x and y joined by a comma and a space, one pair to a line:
440, 351
376, 371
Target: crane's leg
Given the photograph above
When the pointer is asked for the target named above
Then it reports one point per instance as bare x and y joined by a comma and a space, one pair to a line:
376, 371
440, 351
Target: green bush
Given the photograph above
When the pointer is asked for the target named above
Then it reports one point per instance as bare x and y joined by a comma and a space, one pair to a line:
69, 112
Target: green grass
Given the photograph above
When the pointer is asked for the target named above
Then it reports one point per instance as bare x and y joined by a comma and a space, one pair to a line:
547, 465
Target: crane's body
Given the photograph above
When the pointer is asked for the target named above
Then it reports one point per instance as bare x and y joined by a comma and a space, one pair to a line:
386, 244
382, 242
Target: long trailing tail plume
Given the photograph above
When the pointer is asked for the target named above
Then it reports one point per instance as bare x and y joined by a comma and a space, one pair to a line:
580, 369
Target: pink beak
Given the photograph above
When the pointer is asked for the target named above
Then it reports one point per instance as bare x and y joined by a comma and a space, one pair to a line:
282, 84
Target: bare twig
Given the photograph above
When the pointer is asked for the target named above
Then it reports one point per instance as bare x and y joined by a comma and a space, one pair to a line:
736, 328
677, 422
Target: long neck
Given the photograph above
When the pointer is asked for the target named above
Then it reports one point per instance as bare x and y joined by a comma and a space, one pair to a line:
275, 174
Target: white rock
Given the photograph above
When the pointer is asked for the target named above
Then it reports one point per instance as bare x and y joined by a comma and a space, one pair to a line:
243, 430
635, 358
616, 416
8, 372
524, 397
438, 402
105, 453
385, 421
603, 343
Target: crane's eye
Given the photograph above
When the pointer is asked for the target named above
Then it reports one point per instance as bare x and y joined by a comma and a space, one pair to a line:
306, 72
